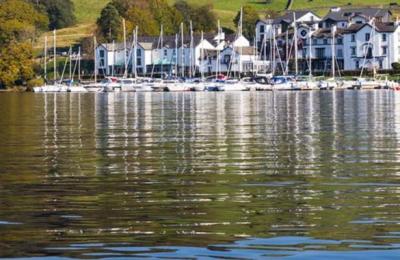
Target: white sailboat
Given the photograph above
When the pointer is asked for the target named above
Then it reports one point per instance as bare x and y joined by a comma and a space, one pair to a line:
94, 86
55, 87
236, 84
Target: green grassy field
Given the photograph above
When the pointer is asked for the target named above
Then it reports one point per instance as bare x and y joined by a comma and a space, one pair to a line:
87, 11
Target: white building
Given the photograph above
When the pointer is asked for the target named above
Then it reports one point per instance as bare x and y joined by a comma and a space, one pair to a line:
173, 58
371, 45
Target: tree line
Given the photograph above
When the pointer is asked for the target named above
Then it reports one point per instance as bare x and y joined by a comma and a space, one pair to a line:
21, 22
149, 15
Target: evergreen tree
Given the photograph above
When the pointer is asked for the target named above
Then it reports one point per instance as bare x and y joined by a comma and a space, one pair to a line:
110, 23
202, 17
60, 12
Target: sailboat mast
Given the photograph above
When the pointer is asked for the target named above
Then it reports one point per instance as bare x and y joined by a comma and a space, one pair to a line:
310, 53
95, 58
45, 59
287, 52
295, 44
182, 53
240, 35
113, 64
162, 48
273, 53
125, 58
218, 51
136, 48
79, 64
191, 50
55, 55
134, 52
373, 47
70, 63
333, 51
176, 55
201, 56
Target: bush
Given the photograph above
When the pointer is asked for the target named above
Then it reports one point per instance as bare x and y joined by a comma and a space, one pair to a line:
35, 83
396, 66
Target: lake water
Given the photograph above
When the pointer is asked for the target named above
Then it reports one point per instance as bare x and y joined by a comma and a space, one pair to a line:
249, 175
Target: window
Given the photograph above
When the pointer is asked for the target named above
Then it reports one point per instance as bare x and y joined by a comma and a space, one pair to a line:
227, 59
138, 62
384, 37
340, 53
380, 64
325, 41
102, 53
314, 41
340, 41
367, 37
384, 50
138, 52
165, 52
353, 38
353, 51
357, 64
320, 53
262, 29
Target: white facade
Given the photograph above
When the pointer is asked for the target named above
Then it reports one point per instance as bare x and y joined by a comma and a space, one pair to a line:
370, 48
111, 60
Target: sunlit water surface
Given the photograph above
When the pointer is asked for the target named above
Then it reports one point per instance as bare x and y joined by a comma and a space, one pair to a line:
200, 175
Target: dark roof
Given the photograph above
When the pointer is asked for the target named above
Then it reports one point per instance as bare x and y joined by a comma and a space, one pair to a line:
327, 33
151, 42
380, 27
288, 16
250, 50
170, 40
345, 13
266, 21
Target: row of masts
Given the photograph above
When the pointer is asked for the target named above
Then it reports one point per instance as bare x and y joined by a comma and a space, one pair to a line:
273, 52
69, 60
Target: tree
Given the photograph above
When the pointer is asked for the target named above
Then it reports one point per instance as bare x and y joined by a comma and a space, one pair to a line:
19, 21
165, 15
123, 6
202, 17
109, 23
16, 64
250, 17
143, 19
60, 12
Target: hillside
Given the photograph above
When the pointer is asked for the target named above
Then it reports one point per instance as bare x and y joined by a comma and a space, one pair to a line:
87, 12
